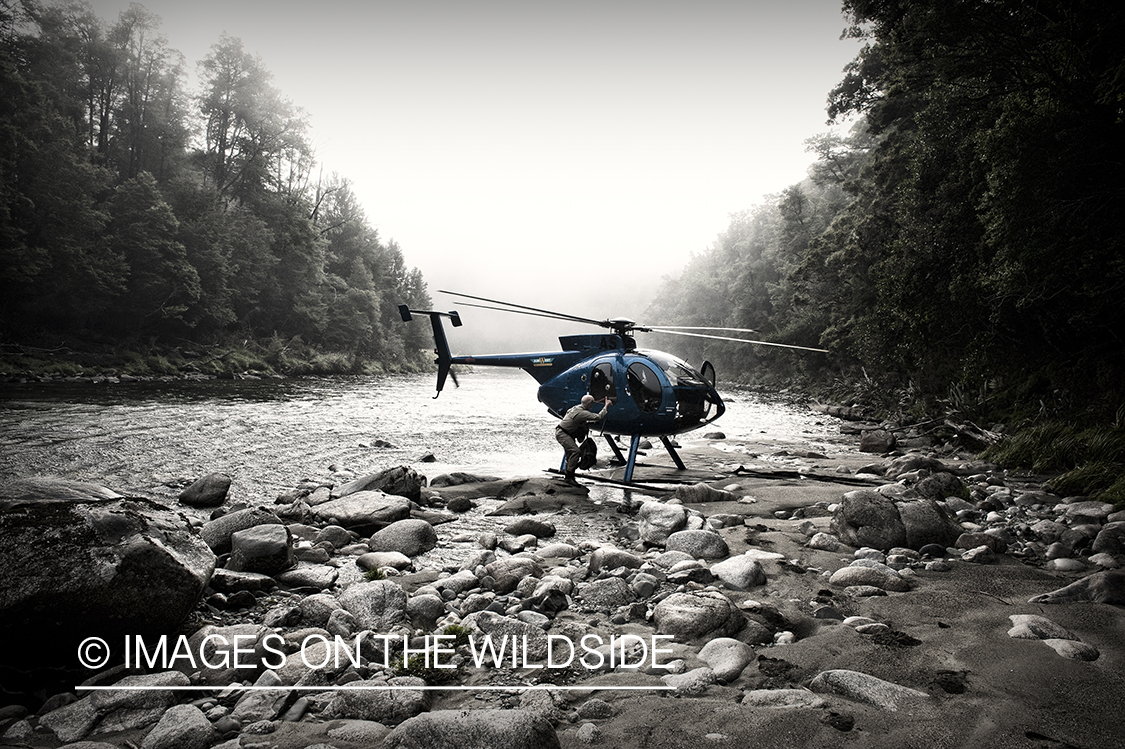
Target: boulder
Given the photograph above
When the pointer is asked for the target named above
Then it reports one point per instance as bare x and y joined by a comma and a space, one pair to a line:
927, 522
610, 558
381, 705
700, 544
876, 441
605, 594
532, 639
867, 518
872, 574
265, 549
506, 573
180, 727
364, 511
209, 491
657, 521
378, 605
697, 615
727, 657
424, 610
376, 559
216, 533
537, 528
402, 481
116, 710
861, 687
474, 729
941, 485
78, 564
740, 572
410, 537
697, 493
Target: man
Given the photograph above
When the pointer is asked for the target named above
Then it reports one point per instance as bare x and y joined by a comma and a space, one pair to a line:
574, 428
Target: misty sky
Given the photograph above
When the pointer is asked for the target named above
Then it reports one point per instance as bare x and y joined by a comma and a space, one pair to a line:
520, 149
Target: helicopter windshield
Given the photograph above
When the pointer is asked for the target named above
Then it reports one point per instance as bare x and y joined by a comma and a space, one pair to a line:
679, 372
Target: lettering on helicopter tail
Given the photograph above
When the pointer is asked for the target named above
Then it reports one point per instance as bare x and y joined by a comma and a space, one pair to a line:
542, 361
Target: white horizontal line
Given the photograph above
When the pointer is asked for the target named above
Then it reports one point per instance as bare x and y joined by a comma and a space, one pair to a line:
369, 688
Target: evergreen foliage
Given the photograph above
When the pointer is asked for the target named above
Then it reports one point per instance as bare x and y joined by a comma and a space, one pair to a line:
131, 209
963, 238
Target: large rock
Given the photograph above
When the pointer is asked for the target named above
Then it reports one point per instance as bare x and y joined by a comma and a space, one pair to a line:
867, 518
378, 605
77, 564
474, 729
697, 493
611, 558
265, 549
180, 727
727, 657
365, 511
506, 573
871, 574
209, 491
941, 485
861, 687
740, 572
927, 522
402, 481
139, 703
410, 537
381, 705
216, 533
657, 521
498, 627
537, 528
700, 544
697, 615
606, 594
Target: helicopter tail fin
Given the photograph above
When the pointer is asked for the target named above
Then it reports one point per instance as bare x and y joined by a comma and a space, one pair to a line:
441, 345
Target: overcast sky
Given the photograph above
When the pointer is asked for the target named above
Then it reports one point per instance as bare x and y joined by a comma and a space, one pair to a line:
514, 149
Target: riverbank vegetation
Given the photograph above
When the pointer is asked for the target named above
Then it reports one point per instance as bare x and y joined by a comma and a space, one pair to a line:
958, 250
148, 222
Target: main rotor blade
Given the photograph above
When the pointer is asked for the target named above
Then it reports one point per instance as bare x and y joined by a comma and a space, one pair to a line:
701, 327
558, 315
548, 315
739, 340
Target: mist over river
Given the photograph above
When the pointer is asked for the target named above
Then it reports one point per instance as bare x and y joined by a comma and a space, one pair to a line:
148, 438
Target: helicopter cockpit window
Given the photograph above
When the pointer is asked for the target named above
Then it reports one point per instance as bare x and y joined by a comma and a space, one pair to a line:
679, 372
644, 386
601, 382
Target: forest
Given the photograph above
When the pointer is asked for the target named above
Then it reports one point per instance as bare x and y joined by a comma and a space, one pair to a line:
137, 214
959, 249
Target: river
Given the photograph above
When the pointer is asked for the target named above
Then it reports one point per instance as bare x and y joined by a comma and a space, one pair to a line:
147, 439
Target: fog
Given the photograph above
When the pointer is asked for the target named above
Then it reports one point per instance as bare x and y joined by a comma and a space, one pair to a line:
563, 155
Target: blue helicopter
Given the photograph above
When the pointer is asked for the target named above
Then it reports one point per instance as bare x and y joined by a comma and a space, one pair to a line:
654, 394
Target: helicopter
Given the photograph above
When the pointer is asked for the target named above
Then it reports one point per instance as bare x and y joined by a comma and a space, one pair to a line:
654, 394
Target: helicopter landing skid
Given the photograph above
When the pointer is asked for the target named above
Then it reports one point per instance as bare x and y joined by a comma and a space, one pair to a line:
631, 462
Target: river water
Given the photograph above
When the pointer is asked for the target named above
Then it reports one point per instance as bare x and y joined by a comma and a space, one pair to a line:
147, 439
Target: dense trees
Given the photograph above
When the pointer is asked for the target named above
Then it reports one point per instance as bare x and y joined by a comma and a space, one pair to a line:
133, 209
965, 235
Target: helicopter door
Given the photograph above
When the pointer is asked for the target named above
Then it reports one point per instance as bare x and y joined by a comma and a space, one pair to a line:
644, 386
601, 382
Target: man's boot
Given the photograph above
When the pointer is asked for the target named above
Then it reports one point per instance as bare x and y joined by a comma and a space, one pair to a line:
571, 467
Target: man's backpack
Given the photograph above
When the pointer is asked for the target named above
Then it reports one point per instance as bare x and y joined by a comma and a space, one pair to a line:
587, 454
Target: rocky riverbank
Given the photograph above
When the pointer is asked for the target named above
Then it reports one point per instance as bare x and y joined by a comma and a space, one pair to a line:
906, 599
